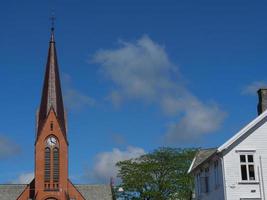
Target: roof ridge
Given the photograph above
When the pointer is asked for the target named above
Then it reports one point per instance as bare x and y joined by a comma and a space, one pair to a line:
242, 131
90, 184
12, 184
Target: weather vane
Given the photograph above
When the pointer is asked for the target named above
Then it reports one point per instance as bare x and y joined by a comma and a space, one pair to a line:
53, 19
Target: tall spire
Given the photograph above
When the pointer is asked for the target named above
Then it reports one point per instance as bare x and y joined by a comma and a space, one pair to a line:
52, 95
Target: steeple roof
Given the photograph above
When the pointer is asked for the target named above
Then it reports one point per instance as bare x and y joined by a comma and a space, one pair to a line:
51, 94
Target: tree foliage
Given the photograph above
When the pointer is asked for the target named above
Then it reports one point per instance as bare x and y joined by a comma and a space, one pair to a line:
160, 175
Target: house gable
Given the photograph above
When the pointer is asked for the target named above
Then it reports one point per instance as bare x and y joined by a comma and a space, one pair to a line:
244, 132
205, 154
244, 178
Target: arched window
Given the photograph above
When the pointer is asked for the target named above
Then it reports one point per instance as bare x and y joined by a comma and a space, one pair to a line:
56, 165
47, 164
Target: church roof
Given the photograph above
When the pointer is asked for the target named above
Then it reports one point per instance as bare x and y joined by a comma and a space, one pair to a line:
51, 94
95, 192
11, 191
89, 192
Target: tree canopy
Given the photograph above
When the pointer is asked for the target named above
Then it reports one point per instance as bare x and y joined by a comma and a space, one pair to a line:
160, 175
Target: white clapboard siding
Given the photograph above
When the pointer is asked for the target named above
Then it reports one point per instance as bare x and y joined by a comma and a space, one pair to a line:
256, 142
252, 139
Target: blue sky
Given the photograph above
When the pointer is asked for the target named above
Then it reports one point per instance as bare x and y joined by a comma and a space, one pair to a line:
136, 75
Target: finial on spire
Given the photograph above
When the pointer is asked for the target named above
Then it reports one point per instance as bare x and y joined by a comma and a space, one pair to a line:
52, 18
52, 96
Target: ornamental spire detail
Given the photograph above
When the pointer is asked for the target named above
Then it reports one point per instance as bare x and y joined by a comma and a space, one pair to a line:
51, 95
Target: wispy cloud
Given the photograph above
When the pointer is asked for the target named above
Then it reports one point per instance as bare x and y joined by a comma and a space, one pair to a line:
196, 121
105, 163
75, 99
142, 71
24, 178
8, 148
253, 87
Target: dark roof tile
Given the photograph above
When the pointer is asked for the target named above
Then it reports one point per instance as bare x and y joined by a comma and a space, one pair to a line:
11, 191
89, 192
201, 156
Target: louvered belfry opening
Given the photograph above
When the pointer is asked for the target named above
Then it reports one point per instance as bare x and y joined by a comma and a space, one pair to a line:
55, 167
51, 172
47, 166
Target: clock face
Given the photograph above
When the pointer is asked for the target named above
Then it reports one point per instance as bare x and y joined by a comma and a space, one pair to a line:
51, 141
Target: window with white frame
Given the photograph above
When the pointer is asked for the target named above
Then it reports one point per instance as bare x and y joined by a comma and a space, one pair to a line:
247, 167
216, 174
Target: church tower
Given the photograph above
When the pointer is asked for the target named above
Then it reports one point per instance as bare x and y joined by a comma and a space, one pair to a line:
51, 145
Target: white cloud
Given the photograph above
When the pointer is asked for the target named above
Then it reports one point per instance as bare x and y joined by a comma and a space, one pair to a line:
196, 121
74, 99
24, 178
252, 88
8, 148
115, 98
104, 166
142, 70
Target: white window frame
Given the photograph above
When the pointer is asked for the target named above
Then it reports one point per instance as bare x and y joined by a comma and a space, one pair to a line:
246, 154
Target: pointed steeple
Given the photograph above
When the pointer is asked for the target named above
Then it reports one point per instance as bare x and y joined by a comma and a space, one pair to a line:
51, 95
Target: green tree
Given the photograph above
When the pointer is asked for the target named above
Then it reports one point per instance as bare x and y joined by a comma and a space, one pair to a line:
160, 175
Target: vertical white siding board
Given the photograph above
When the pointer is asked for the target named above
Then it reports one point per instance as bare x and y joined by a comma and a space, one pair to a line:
231, 186
257, 140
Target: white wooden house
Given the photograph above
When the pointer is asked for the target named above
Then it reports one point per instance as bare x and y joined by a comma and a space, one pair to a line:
237, 170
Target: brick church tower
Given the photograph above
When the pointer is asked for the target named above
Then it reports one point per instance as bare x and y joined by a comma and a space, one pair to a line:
51, 145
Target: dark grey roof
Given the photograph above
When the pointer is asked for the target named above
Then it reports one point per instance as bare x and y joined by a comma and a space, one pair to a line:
95, 192
201, 156
51, 94
89, 192
11, 192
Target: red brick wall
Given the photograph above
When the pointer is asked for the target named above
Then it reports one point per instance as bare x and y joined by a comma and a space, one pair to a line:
66, 188
39, 159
